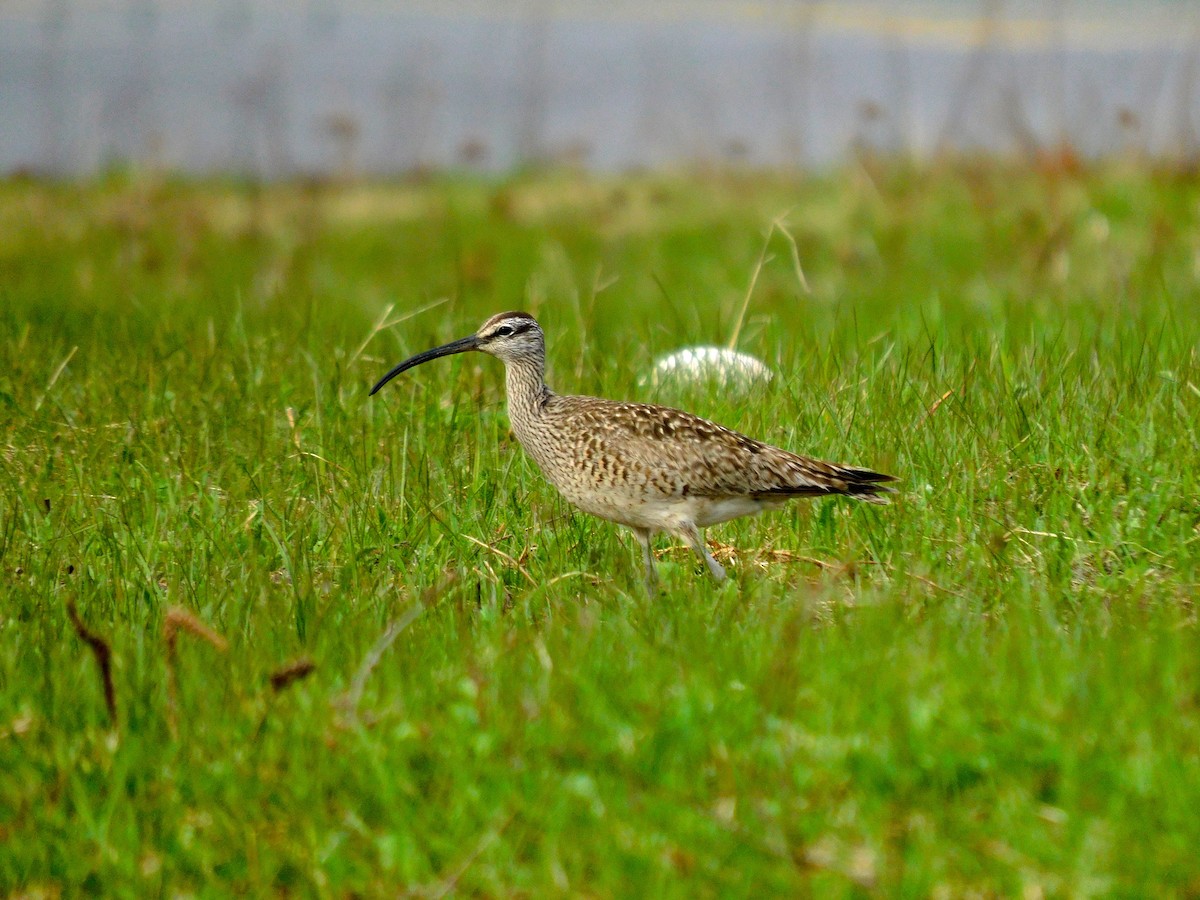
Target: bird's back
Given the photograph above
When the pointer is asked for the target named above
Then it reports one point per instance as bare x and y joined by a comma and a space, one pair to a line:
609, 457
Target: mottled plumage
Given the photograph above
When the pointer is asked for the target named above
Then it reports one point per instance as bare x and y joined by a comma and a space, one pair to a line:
650, 468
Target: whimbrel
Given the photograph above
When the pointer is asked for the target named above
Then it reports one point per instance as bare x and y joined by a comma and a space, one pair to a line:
649, 468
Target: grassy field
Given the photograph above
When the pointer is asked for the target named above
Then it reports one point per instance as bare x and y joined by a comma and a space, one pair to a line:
427, 674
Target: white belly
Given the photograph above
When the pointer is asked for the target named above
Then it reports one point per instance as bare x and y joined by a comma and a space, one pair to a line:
669, 515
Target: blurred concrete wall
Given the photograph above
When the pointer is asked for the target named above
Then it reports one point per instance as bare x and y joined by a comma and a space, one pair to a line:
354, 87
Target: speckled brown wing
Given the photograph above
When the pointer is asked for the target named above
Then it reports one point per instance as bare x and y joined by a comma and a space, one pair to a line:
680, 455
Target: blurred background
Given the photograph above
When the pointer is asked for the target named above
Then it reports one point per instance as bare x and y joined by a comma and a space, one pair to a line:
360, 87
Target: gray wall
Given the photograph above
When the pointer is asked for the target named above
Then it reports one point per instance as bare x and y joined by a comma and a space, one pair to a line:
320, 87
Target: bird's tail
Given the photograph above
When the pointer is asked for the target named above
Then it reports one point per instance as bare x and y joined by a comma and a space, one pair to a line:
863, 484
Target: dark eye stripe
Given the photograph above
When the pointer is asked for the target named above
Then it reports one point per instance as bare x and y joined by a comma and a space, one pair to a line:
513, 330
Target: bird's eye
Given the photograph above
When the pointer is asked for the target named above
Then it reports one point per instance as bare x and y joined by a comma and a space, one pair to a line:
504, 331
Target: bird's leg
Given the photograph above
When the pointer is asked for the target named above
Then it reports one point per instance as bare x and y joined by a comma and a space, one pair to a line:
691, 534
643, 538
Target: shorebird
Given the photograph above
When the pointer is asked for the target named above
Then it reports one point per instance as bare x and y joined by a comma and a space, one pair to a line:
649, 468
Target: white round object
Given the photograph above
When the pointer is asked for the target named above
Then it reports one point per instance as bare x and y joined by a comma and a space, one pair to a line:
718, 366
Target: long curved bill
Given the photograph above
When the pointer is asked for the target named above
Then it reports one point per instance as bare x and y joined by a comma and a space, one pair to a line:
460, 346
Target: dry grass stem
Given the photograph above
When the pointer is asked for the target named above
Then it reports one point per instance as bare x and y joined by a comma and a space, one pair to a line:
176, 620
179, 619
292, 672
946, 396
512, 561
103, 653
448, 884
349, 701
777, 225
384, 322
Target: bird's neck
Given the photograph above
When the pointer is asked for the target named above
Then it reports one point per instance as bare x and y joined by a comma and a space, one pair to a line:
525, 384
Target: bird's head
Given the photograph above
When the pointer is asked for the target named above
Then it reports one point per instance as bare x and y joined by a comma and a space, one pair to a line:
511, 337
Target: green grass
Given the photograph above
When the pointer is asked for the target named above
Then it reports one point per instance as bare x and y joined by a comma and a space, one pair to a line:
991, 686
